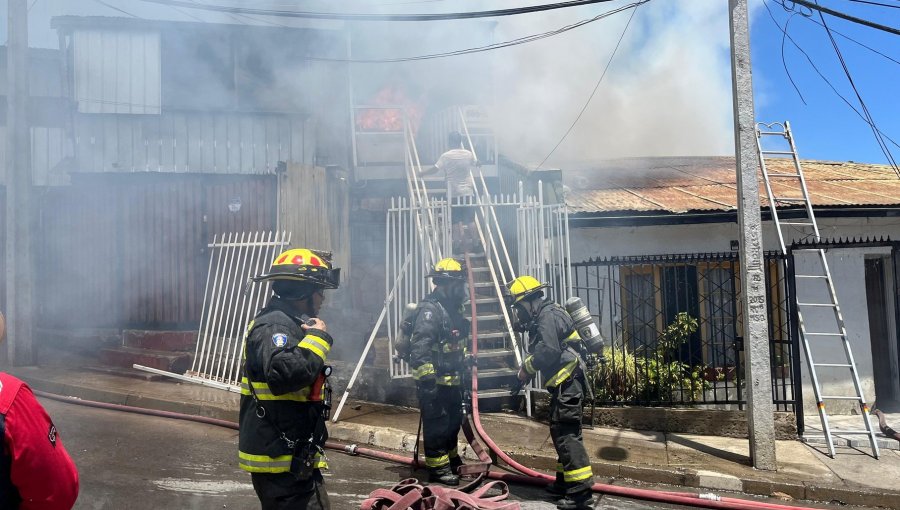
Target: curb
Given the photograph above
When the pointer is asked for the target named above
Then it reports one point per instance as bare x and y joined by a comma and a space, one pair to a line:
206, 409
395, 439
399, 440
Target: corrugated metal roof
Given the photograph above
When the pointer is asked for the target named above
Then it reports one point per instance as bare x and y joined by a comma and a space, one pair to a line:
679, 185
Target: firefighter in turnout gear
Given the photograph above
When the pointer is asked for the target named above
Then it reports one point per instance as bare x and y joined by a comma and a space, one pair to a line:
437, 358
553, 351
285, 395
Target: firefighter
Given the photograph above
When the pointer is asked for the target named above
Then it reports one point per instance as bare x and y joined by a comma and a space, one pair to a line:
550, 331
285, 395
437, 356
36, 472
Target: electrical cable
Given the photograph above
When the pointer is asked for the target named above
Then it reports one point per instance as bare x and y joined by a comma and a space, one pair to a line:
113, 7
876, 3
873, 50
489, 47
784, 62
381, 17
875, 131
596, 86
821, 75
839, 14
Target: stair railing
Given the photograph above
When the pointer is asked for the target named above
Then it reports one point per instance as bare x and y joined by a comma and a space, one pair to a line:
486, 235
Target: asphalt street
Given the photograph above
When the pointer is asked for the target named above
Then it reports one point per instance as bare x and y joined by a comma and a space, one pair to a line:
133, 462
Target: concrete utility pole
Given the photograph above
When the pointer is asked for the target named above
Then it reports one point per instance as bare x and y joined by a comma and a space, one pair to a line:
19, 262
757, 368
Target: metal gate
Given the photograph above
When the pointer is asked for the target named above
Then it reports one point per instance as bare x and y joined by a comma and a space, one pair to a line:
229, 302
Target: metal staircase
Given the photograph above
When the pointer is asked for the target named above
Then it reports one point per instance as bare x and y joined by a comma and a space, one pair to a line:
819, 315
419, 234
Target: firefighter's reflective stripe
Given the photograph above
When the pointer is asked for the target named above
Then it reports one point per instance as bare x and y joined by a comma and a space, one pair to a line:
316, 345
264, 463
447, 380
424, 370
436, 462
320, 461
529, 365
577, 475
574, 337
309, 394
564, 373
559, 468
454, 346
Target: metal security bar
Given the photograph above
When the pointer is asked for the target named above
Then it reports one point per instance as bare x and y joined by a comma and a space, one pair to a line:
543, 249
230, 301
636, 300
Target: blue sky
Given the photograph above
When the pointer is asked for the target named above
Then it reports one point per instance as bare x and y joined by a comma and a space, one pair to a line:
825, 127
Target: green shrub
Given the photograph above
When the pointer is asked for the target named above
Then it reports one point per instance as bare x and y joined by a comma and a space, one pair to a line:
653, 374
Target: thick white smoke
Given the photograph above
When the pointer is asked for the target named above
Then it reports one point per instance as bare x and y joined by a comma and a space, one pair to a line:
667, 91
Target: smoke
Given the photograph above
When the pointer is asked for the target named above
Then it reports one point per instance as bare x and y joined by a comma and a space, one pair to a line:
667, 92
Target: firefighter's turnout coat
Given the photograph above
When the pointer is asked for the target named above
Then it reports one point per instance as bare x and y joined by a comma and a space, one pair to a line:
560, 366
284, 375
437, 358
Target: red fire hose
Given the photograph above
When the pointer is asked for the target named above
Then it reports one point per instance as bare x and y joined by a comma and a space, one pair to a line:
538, 478
528, 476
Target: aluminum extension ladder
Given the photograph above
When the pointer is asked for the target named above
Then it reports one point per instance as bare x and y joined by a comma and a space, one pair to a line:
818, 272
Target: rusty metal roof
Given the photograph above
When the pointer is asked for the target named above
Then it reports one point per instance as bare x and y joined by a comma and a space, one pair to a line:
680, 185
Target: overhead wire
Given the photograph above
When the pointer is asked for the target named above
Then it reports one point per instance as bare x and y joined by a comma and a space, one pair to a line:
113, 7
488, 47
784, 61
382, 16
873, 50
875, 131
842, 15
594, 91
821, 75
876, 3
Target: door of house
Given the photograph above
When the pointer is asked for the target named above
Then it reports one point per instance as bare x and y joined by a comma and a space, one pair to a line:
880, 294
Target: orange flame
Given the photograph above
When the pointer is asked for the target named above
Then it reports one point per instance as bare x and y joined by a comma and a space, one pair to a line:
389, 119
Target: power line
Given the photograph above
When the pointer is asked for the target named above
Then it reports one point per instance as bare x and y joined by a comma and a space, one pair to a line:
381, 17
838, 14
876, 3
862, 104
113, 7
596, 86
821, 75
488, 47
892, 59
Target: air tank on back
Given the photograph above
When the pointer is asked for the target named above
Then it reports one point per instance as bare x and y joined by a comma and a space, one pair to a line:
585, 325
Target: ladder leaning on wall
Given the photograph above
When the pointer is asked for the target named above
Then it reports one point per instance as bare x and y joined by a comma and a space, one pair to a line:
816, 275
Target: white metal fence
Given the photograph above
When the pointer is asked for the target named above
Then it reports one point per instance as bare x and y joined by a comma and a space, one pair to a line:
230, 301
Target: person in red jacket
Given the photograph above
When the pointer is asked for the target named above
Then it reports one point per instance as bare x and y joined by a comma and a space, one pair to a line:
36, 472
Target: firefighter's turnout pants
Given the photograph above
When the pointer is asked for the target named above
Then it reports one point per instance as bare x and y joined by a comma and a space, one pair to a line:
442, 416
573, 468
283, 491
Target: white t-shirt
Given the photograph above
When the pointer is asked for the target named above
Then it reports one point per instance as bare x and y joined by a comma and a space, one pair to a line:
456, 165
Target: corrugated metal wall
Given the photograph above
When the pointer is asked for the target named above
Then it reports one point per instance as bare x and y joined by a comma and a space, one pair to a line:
117, 71
196, 142
49, 148
130, 251
315, 209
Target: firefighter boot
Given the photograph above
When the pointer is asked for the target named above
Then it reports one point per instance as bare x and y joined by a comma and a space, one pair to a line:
443, 475
583, 500
455, 463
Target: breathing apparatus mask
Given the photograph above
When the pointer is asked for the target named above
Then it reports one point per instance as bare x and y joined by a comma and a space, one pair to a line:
522, 317
455, 290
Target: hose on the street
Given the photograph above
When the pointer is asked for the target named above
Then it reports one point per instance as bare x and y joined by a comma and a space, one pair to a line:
528, 476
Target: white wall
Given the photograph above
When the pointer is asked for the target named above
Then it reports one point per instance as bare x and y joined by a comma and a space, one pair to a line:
847, 267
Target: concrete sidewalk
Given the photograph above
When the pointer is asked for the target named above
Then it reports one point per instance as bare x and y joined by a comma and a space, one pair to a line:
805, 472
